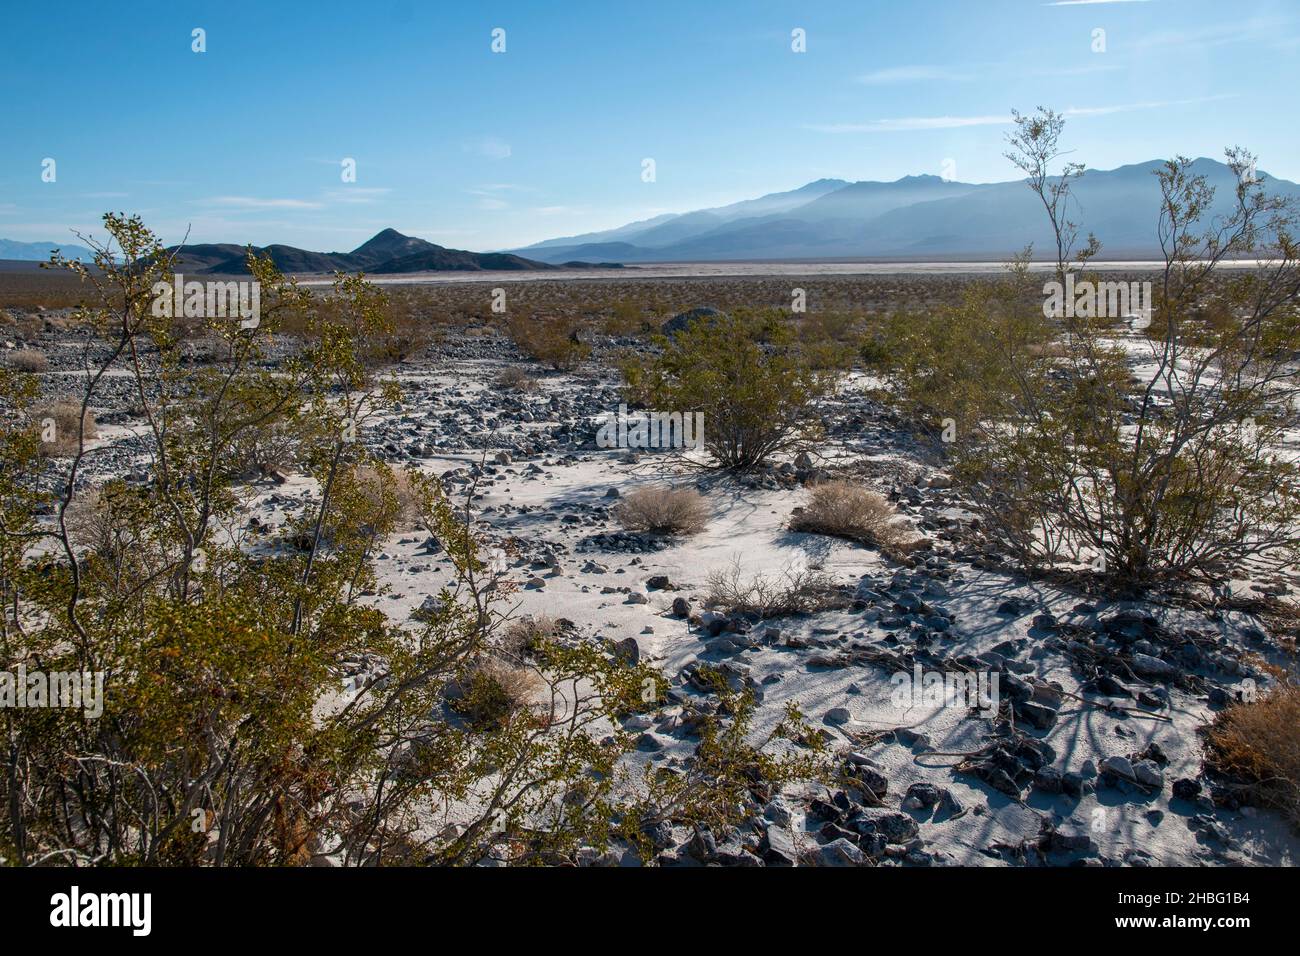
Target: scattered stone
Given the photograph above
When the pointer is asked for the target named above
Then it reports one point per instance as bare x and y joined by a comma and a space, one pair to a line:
840, 852
628, 651
838, 716
780, 850
921, 796
649, 743
895, 827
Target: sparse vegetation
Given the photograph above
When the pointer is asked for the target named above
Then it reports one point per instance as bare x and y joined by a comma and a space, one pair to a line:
515, 379
391, 493
663, 510
800, 589
552, 341
496, 691
524, 637
1072, 460
63, 427
28, 360
846, 510
756, 384
1256, 745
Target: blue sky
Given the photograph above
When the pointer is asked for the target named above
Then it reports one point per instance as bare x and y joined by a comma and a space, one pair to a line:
479, 150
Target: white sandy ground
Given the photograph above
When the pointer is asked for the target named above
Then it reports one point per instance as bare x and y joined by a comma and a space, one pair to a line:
749, 526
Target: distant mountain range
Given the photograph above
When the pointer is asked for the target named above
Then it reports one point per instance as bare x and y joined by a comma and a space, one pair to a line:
913, 218
40, 251
388, 252
916, 217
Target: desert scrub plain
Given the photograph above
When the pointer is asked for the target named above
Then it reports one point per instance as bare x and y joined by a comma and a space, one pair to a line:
368, 590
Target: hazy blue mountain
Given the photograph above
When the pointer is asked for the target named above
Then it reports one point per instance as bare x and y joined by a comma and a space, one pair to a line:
607, 235
915, 217
33, 251
672, 227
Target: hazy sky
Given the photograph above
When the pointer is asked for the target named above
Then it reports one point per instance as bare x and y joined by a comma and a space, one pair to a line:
479, 150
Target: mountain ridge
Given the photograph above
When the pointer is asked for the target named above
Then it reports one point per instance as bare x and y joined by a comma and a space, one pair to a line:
918, 216
388, 252
17, 251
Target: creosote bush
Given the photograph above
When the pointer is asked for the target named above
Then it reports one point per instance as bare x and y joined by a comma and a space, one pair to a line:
847, 510
224, 664
1090, 445
756, 383
260, 708
663, 510
732, 773
551, 341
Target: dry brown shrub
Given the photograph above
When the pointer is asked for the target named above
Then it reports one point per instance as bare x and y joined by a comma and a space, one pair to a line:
91, 525
57, 424
523, 636
370, 481
29, 360
846, 510
663, 510
494, 691
515, 379
794, 590
1258, 744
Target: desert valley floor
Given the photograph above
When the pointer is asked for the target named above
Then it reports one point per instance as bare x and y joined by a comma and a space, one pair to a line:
1094, 759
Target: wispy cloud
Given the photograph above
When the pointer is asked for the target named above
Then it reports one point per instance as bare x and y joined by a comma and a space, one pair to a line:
357, 194
491, 147
1071, 70
1088, 3
1131, 107
914, 123
1248, 30
559, 210
909, 123
491, 195
253, 202
968, 72
911, 74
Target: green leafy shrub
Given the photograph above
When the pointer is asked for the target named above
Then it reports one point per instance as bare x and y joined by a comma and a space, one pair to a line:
757, 386
1075, 462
